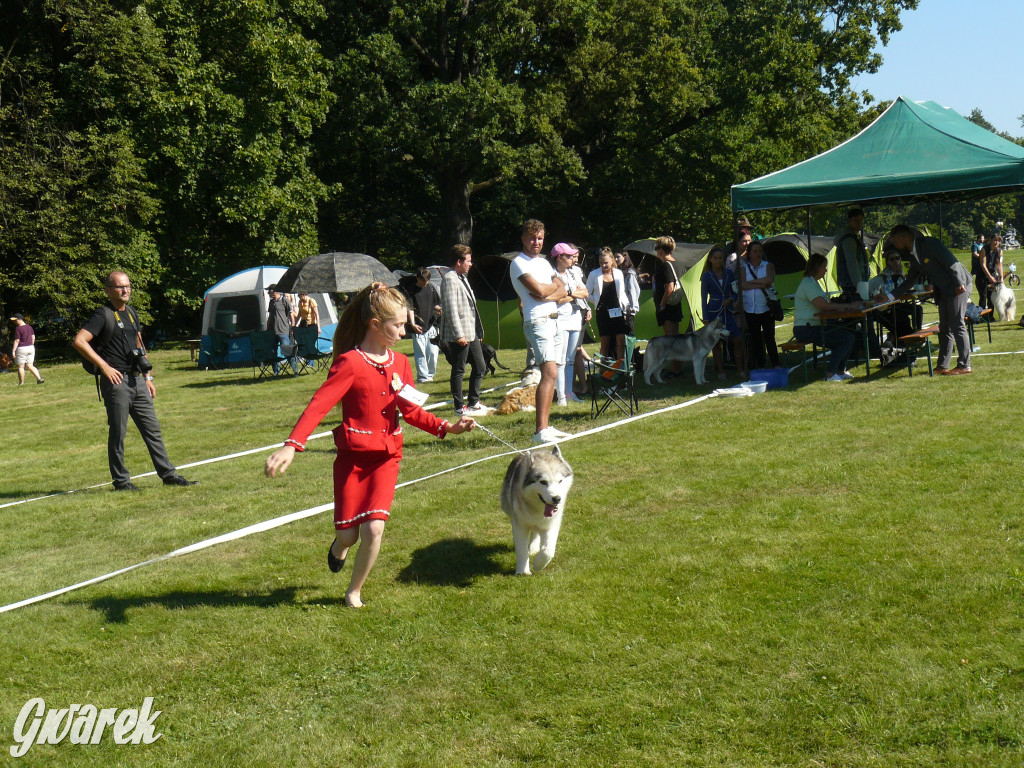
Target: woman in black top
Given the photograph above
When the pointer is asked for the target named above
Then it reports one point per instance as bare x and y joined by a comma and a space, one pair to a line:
665, 279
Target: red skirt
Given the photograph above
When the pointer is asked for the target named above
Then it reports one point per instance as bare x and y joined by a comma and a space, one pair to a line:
364, 486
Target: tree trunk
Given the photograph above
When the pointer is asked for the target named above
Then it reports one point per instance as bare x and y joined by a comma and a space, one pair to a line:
456, 216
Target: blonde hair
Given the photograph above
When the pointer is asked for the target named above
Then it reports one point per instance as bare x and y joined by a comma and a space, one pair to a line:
666, 244
374, 301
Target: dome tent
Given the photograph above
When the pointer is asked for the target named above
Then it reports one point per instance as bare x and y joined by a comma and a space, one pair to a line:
238, 305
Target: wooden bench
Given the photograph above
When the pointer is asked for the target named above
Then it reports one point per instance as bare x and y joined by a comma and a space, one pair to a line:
986, 315
924, 336
793, 345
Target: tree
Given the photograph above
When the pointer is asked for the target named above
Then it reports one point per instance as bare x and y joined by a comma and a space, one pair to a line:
74, 197
570, 107
228, 139
168, 139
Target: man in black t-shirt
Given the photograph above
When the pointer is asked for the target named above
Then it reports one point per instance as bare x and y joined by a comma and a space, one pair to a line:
112, 341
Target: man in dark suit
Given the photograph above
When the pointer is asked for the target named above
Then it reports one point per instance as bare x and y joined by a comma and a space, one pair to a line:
462, 331
952, 284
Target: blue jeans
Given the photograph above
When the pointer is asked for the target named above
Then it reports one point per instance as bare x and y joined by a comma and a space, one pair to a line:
425, 355
839, 340
570, 340
285, 340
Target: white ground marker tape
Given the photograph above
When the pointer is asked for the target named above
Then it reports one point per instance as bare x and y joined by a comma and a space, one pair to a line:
223, 458
292, 517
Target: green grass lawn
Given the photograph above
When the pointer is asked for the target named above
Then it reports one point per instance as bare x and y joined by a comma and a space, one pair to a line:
827, 575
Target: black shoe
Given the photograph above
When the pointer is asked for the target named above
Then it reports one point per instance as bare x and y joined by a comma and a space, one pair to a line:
332, 562
178, 480
126, 487
40, 381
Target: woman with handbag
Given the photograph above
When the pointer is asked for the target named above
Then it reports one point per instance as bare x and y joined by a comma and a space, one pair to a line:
718, 300
756, 277
571, 310
668, 313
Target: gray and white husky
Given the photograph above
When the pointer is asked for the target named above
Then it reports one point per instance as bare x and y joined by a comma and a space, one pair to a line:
533, 496
695, 346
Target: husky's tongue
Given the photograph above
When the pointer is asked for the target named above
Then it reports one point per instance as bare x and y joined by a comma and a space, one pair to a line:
549, 509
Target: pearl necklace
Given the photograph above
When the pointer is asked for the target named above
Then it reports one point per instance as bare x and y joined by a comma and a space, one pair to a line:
379, 366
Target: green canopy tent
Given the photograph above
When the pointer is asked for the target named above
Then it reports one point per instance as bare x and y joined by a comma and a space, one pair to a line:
913, 151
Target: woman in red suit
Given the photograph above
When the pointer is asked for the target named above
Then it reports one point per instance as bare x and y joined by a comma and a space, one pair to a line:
372, 384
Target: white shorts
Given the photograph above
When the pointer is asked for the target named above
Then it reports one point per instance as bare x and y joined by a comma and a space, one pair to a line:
25, 355
545, 338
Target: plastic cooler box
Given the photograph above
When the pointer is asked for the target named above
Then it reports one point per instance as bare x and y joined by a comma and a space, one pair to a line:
777, 378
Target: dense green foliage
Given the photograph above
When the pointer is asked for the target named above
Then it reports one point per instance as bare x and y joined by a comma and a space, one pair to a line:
182, 141
170, 139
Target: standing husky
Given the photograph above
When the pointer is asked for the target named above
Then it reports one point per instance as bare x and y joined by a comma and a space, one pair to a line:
694, 346
533, 496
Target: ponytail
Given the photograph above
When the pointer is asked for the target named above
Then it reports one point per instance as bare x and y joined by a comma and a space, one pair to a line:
375, 301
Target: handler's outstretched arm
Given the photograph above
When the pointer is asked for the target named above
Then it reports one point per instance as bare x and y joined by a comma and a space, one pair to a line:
279, 460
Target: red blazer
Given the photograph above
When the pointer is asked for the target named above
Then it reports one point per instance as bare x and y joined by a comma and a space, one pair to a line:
367, 392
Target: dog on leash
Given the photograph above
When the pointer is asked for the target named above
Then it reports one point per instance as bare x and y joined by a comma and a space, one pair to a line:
1004, 302
533, 496
695, 346
489, 353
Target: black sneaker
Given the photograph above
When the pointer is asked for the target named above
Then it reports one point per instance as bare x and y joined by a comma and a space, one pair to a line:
126, 487
178, 480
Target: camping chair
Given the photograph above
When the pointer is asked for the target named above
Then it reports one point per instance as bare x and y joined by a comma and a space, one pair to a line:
264, 353
613, 381
217, 355
310, 357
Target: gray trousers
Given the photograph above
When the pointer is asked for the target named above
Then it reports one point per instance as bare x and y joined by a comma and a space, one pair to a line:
131, 398
953, 329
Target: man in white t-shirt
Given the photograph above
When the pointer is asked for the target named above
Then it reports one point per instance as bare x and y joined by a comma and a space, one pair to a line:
539, 288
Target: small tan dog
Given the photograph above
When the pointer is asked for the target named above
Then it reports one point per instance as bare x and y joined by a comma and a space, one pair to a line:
519, 399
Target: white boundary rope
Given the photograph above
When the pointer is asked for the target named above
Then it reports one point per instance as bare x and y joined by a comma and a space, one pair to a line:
276, 522
223, 458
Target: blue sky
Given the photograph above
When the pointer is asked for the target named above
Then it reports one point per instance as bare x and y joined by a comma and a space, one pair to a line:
962, 54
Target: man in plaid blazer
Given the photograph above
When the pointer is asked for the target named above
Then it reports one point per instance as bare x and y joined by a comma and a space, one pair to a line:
461, 330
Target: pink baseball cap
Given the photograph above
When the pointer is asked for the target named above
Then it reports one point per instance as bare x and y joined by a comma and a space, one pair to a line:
561, 249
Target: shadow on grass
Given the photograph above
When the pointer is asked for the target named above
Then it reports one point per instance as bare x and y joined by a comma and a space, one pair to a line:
116, 608
35, 493
453, 563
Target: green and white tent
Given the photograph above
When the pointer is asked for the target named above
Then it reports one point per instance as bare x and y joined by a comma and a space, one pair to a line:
915, 150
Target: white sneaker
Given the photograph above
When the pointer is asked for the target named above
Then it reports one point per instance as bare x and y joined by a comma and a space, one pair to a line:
572, 397
476, 410
837, 377
559, 433
846, 375
561, 402
549, 435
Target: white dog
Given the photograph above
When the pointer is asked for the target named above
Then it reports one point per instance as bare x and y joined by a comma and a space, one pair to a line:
533, 496
531, 377
695, 346
1004, 302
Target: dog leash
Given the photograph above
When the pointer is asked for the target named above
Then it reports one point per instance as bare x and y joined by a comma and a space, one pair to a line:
485, 429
